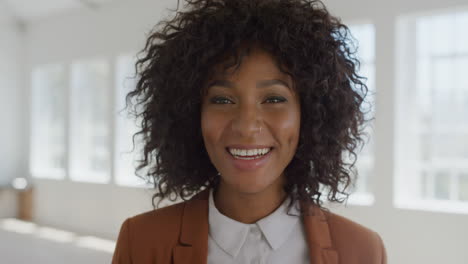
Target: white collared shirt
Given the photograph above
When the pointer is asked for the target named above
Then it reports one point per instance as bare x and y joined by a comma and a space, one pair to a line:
277, 238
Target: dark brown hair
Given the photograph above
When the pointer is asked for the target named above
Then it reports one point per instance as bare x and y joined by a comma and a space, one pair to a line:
316, 50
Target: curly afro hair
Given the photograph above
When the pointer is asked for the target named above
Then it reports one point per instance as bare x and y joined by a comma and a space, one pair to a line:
308, 43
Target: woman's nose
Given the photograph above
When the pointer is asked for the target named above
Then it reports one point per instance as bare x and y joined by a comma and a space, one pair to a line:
247, 121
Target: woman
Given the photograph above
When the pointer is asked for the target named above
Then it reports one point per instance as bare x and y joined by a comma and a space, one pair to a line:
248, 108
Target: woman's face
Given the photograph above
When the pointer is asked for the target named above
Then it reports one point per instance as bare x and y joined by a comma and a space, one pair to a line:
246, 113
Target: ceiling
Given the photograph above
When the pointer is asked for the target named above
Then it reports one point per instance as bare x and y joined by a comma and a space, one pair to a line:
28, 10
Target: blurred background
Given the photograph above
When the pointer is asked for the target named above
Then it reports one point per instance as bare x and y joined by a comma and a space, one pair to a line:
66, 168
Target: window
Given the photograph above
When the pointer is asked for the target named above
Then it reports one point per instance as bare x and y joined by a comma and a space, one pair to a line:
364, 34
126, 126
48, 115
90, 121
433, 118
71, 138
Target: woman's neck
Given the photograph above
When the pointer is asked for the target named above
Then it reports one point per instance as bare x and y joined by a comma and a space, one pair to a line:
248, 208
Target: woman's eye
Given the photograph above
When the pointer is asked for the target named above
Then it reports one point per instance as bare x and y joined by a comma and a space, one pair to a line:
224, 100
220, 100
276, 99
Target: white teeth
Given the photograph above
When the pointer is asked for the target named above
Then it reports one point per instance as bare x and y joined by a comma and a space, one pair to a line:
249, 152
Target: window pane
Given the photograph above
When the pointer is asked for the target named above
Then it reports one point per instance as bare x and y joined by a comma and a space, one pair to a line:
442, 185
126, 127
461, 91
364, 34
441, 99
443, 91
461, 43
48, 122
443, 34
425, 145
425, 183
463, 186
89, 128
450, 145
365, 169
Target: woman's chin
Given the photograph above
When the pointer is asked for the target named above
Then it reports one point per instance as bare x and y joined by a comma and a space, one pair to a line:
249, 185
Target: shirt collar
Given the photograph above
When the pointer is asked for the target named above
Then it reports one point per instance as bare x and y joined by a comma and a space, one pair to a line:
230, 234
278, 225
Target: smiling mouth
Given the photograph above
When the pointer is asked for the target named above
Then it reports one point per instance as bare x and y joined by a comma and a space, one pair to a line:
243, 154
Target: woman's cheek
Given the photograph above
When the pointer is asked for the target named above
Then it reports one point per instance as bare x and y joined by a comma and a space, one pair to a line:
213, 124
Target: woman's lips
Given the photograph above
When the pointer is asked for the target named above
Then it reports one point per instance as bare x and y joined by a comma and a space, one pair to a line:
252, 164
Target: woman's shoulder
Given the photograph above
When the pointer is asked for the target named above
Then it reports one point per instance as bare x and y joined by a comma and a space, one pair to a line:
344, 224
149, 233
162, 220
162, 224
160, 214
351, 238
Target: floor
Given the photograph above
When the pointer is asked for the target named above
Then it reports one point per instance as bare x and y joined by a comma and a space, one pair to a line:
23, 242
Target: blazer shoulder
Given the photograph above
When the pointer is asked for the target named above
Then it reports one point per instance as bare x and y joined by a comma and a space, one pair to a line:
160, 214
161, 223
355, 241
146, 236
155, 228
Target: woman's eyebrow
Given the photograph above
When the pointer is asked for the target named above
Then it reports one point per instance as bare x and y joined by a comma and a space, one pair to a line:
266, 83
260, 84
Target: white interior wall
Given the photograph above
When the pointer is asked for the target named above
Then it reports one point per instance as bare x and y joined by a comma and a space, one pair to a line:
12, 131
410, 236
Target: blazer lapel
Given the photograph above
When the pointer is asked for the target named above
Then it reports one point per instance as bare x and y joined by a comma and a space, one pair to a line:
182, 254
318, 236
193, 240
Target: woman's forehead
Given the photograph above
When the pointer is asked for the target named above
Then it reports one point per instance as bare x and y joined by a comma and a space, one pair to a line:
233, 62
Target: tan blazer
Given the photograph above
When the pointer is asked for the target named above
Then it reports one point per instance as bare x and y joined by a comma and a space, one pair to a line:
179, 234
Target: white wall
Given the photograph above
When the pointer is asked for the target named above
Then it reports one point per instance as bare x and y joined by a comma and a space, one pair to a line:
410, 236
12, 119
88, 209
